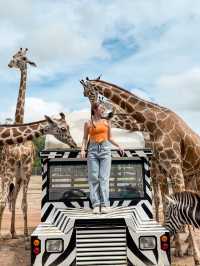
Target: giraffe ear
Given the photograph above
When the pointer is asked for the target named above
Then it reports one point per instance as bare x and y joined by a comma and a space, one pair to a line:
31, 63
170, 200
49, 119
62, 115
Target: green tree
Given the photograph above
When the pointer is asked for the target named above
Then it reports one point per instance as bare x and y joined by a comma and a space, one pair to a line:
39, 146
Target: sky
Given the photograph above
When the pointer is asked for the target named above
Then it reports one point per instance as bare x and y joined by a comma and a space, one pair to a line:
150, 47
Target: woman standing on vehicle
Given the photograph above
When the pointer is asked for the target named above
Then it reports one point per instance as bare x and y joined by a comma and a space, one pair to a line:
98, 132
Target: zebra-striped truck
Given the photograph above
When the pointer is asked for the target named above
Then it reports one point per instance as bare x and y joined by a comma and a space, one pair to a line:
69, 232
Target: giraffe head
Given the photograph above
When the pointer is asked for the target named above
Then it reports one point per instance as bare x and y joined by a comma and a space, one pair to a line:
20, 60
94, 96
59, 128
89, 92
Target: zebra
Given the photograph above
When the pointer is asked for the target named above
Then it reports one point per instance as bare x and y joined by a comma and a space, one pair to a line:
183, 208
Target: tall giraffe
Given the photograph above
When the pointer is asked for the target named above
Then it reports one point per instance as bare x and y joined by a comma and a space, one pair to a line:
176, 147
16, 134
120, 119
22, 155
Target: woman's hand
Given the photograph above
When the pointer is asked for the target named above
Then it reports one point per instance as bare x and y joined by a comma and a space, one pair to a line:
82, 154
121, 151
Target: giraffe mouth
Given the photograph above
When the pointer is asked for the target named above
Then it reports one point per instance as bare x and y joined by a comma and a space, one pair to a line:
68, 140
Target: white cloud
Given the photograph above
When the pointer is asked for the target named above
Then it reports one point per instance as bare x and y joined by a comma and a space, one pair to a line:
66, 42
35, 109
180, 91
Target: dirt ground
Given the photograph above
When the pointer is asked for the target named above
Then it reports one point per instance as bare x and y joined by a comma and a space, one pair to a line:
14, 252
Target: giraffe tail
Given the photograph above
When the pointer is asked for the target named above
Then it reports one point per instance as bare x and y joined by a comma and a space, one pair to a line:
10, 195
19, 171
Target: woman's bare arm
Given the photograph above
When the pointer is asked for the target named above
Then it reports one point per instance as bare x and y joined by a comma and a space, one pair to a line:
110, 138
85, 139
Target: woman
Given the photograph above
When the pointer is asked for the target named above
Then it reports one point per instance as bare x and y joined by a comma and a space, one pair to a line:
98, 132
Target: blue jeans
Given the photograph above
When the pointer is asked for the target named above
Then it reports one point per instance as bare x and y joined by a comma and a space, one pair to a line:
99, 165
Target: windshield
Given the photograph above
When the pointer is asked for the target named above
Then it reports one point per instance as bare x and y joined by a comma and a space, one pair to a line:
69, 180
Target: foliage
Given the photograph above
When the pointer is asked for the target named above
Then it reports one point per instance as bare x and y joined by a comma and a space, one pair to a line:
39, 145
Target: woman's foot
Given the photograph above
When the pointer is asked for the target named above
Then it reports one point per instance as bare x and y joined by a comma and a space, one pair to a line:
96, 210
105, 210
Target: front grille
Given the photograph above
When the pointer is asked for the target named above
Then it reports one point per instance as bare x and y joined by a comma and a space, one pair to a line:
101, 245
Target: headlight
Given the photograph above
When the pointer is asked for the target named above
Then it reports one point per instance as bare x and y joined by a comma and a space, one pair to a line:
54, 245
147, 242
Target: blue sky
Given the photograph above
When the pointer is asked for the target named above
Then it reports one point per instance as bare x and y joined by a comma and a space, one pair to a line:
150, 47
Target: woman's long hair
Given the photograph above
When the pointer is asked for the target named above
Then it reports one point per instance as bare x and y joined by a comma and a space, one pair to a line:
94, 106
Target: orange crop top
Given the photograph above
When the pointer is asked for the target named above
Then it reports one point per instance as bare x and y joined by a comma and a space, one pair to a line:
98, 133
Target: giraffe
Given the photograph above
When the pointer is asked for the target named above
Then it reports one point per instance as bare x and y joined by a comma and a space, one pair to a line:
21, 156
122, 120
176, 147
16, 134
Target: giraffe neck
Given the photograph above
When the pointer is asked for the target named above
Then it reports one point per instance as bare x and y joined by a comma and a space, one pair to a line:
19, 113
14, 134
123, 121
140, 110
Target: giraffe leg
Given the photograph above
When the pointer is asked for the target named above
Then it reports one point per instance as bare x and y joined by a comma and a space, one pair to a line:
178, 251
156, 190
156, 198
3, 200
175, 172
25, 205
196, 252
164, 191
14, 200
159, 181
2, 208
189, 250
191, 184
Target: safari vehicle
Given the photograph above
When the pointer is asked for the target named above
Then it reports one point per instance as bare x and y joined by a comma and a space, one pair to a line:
69, 232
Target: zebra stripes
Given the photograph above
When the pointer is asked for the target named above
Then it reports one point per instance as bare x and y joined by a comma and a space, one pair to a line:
75, 153
142, 155
101, 239
121, 228
182, 208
